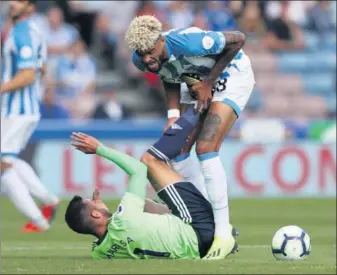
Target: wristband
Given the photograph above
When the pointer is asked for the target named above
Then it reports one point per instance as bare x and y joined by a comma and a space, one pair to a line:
173, 113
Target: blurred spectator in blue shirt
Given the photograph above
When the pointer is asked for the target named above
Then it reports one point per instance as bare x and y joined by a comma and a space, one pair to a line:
59, 35
219, 16
320, 18
50, 109
75, 81
180, 14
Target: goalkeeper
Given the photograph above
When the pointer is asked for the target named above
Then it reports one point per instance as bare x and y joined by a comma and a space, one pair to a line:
184, 231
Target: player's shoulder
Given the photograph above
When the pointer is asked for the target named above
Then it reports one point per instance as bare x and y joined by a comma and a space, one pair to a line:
191, 41
21, 29
179, 35
24, 31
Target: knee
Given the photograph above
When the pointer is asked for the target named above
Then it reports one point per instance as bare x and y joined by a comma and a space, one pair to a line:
148, 159
206, 147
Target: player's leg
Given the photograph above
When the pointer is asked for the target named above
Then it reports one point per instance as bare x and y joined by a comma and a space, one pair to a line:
28, 176
155, 207
228, 101
193, 209
183, 199
11, 183
217, 124
184, 164
168, 147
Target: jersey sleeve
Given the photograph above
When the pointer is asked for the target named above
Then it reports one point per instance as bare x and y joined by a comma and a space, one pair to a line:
26, 57
195, 42
137, 62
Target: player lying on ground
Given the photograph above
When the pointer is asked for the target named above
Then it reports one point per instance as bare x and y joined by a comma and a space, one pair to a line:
218, 60
185, 233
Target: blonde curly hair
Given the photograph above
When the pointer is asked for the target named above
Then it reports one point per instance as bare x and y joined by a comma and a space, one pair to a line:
143, 33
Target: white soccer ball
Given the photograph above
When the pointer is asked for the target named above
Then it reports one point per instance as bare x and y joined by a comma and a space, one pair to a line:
291, 243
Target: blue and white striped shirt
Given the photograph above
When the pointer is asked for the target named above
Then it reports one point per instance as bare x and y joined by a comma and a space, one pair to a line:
24, 48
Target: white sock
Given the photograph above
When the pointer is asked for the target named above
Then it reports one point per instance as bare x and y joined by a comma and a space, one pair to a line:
33, 183
216, 185
18, 193
189, 168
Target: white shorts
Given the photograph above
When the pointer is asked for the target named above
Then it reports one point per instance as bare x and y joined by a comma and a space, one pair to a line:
239, 87
15, 133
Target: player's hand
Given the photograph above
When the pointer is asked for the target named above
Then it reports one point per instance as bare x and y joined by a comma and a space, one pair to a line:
203, 92
169, 122
84, 143
95, 195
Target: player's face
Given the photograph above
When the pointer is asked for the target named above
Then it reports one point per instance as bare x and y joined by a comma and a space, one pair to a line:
99, 206
17, 9
153, 59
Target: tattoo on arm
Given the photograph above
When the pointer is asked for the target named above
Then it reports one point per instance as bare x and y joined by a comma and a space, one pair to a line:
210, 127
234, 42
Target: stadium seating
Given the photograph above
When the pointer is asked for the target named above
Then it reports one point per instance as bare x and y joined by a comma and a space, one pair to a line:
297, 84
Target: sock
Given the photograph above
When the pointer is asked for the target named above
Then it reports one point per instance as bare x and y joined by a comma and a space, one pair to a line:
188, 168
18, 193
175, 137
33, 183
216, 185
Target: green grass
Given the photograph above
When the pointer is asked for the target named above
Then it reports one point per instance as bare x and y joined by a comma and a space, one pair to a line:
62, 252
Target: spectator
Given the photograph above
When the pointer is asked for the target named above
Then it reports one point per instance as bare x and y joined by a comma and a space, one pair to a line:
60, 36
320, 18
180, 14
105, 42
284, 21
251, 23
219, 16
75, 81
109, 108
50, 109
201, 21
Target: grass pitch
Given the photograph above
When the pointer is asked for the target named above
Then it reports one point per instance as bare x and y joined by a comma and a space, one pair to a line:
60, 251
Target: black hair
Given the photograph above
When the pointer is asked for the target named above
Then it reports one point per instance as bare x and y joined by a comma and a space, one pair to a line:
78, 217
32, 1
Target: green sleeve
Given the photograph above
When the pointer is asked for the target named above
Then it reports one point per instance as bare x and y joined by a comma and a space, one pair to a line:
133, 167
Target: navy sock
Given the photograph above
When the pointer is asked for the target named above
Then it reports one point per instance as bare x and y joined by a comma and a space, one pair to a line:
174, 138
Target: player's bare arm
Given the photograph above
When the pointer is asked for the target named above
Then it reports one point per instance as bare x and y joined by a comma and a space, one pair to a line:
22, 79
172, 91
234, 42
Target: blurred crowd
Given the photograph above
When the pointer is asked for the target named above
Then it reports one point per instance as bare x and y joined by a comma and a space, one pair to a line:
87, 52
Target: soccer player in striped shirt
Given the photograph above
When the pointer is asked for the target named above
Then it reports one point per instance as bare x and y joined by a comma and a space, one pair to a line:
186, 232
23, 56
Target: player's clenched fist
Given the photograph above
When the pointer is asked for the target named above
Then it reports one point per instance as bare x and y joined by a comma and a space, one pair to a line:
86, 144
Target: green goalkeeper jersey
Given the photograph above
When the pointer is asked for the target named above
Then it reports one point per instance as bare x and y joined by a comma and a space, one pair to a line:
133, 233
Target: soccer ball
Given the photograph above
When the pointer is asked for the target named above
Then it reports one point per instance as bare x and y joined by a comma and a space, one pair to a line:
291, 243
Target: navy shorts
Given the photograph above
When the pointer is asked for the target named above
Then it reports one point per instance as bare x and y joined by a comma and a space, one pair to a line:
186, 202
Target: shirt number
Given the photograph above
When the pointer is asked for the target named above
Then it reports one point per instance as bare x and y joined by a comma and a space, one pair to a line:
142, 253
